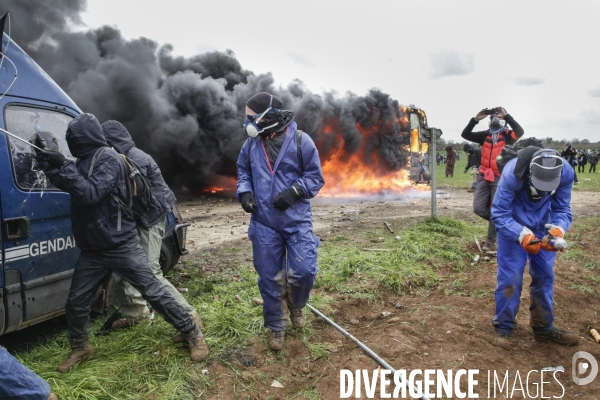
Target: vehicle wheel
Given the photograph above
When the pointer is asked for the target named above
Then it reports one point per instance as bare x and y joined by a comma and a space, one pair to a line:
168, 259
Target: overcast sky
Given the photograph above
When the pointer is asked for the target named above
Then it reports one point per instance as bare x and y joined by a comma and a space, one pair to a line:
538, 59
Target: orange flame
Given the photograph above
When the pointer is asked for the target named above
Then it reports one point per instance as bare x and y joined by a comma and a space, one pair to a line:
352, 176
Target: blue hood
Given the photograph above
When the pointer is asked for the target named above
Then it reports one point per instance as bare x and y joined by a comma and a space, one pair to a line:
117, 136
84, 136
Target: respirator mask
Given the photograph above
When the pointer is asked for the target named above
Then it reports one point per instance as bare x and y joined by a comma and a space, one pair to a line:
496, 123
269, 119
537, 195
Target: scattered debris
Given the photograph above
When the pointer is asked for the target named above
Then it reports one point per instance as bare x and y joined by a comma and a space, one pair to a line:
385, 314
378, 240
401, 342
397, 237
353, 321
258, 301
399, 305
204, 372
388, 226
486, 258
448, 332
595, 335
476, 258
183, 289
365, 249
477, 243
215, 297
239, 298
394, 319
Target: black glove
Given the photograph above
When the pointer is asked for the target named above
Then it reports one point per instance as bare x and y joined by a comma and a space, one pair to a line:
40, 142
54, 158
248, 202
285, 199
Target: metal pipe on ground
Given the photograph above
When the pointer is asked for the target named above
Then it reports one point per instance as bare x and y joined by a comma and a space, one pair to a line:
370, 352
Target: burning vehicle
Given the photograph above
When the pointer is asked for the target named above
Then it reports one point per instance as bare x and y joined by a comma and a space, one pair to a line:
38, 250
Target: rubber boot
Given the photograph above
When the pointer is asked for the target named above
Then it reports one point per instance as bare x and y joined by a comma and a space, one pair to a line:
80, 351
297, 318
179, 338
276, 340
197, 344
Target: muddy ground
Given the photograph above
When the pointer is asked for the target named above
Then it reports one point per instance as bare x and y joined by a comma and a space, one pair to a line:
443, 328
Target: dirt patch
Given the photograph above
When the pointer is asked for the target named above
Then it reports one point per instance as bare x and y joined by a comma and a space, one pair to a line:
436, 329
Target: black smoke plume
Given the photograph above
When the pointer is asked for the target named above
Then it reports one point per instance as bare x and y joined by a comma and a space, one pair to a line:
187, 112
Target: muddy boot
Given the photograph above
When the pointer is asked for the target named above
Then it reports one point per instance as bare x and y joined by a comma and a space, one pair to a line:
80, 351
487, 246
178, 337
297, 318
276, 340
502, 340
197, 344
124, 323
52, 397
553, 334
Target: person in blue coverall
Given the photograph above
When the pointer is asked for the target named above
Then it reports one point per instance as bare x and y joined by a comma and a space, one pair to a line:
19, 382
278, 172
532, 200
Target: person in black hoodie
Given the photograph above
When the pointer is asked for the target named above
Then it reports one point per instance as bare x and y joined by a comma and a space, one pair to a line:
151, 229
106, 233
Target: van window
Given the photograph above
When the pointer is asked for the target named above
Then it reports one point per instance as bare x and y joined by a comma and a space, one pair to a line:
24, 122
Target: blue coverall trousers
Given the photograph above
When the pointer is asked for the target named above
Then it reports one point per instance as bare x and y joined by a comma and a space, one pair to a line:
286, 267
511, 265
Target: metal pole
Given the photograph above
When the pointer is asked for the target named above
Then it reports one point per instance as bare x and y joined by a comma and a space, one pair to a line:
22, 140
362, 346
433, 171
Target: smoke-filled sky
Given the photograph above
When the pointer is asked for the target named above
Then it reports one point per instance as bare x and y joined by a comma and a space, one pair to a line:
178, 73
538, 58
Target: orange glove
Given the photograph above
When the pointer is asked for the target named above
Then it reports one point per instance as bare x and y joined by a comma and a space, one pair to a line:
555, 230
525, 238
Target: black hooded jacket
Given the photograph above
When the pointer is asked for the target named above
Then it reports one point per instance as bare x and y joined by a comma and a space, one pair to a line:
119, 138
474, 156
94, 210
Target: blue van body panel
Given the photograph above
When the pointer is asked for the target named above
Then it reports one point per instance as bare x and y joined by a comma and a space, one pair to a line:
32, 83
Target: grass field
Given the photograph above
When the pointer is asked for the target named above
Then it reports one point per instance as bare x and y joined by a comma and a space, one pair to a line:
587, 182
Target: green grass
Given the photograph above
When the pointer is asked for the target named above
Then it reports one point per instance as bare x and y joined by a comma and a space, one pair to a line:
410, 262
143, 363
459, 180
587, 182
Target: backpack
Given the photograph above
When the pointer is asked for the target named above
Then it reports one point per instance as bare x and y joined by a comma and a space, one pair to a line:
139, 190
510, 151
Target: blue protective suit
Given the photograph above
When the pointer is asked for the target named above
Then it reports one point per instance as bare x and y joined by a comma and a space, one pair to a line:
283, 244
511, 211
19, 382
